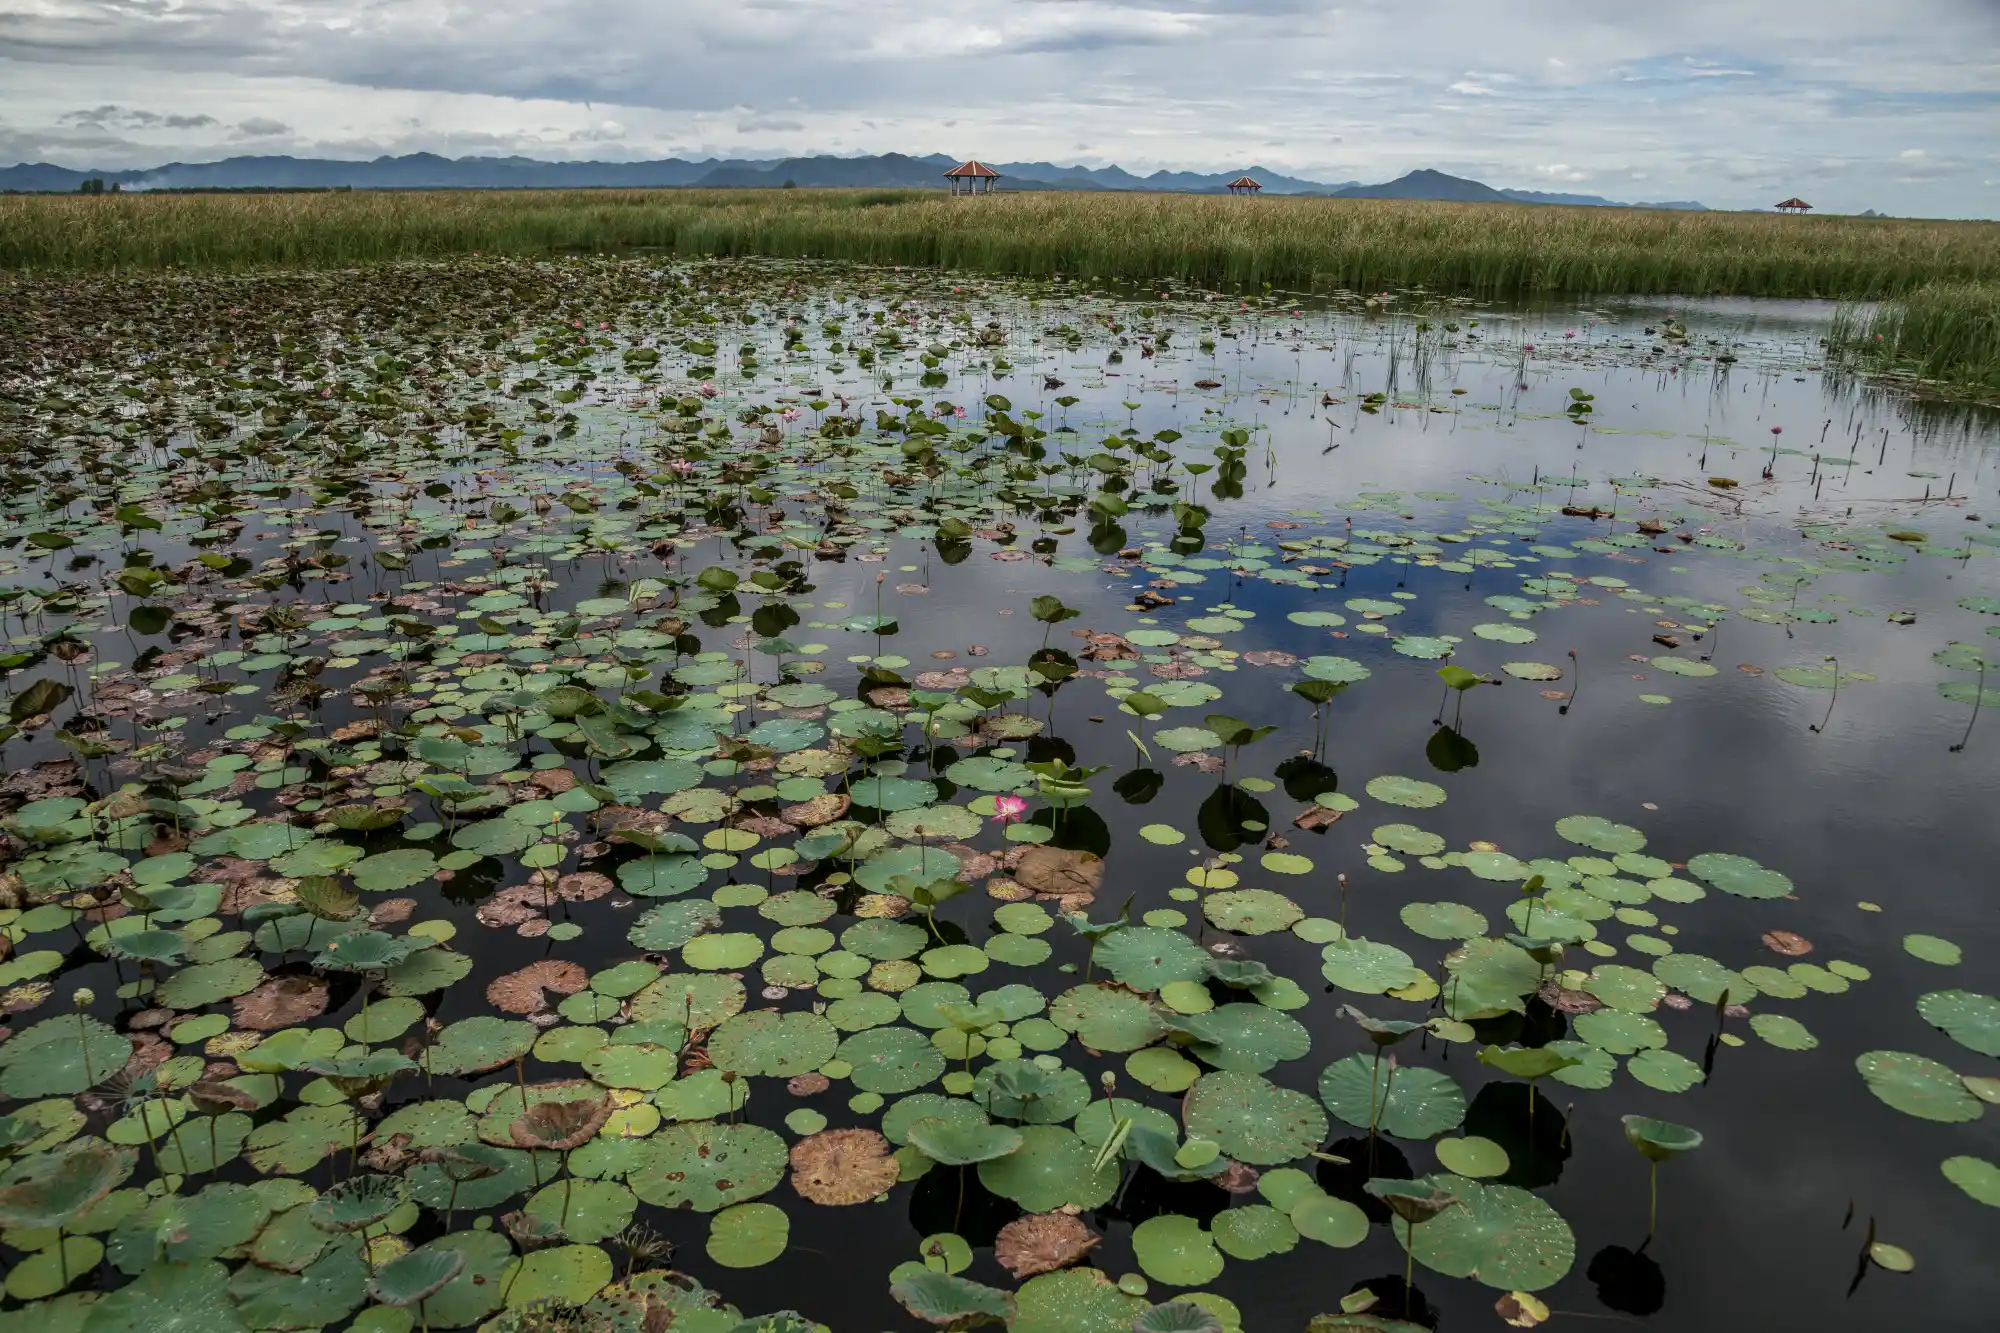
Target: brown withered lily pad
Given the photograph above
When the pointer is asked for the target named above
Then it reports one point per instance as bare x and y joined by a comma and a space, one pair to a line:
842, 1166
559, 1126
1786, 943
807, 1085
1043, 1243
822, 809
522, 992
1058, 872
281, 1002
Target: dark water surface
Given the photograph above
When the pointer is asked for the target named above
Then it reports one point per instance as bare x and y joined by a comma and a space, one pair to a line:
1858, 796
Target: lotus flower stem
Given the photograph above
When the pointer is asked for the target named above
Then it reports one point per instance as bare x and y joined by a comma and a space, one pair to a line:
1653, 1205
1978, 697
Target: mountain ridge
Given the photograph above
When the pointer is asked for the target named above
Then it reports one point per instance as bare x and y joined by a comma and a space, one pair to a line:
431, 171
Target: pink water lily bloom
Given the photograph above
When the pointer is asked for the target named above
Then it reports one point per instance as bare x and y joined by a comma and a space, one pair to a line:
1009, 809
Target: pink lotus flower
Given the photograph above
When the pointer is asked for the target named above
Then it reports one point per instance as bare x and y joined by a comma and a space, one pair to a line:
682, 466
708, 389
1009, 809
1777, 430
790, 414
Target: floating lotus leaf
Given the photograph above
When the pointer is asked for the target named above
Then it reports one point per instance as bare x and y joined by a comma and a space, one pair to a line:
891, 1060
1444, 921
1970, 1019
494, 837
1472, 1156
1051, 1169
988, 774
772, 1044
1076, 1300
1408, 1102
1329, 1221
952, 1302
1783, 1031
1702, 978
61, 1055
475, 1045
1368, 967
1253, 1231
953, 1111
1500, 1235
1489, 977
52, 1188
1247, 1038
1146, 958
1738, 875
1105, 1018
884, 940
889, 794
185, 1228
204, 984
1918, 1086
1024, 1090
748, 1235
1251, 911
651, 777
837, 1167
1408, 839
1542, 671
413, 1278
707, 1166
170, 1298
1625, 988
960, 1143
324, 1293
1666, 1070
1932, 949
1600, 834
298, 1142
1253, 1119
571, 1274
1976, 1176
387, 872
1408, 792
722, 951
1043, 1243
1620, 1033
1176, 1250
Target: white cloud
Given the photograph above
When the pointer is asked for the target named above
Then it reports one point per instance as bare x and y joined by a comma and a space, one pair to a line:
1826, 94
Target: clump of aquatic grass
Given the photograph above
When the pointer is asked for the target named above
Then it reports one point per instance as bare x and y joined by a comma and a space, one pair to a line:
1291, 242
1943, 333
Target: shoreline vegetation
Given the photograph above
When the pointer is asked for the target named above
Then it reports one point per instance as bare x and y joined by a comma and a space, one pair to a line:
1946, 332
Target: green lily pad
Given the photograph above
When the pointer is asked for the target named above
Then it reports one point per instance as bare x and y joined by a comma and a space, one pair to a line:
777, 1045
1407, 792
1368, 967
748, 1235
708, 1166
1978, 1177
1968, 1018
1146, 958
1919, 1086
1247, 1038
891, 1060
1600, 834
1499, 1235
1410, 1102
1444, 921
1176, 1250
1251, 911
1253, 1120
1932, 949
1738, 875
1051, 1169
1106, 1018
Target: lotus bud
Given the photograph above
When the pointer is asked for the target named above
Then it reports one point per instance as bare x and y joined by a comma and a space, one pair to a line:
83, 997
1107, 1080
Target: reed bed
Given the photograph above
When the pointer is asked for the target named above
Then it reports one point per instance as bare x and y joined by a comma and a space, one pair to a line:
1944, 334
1288, 242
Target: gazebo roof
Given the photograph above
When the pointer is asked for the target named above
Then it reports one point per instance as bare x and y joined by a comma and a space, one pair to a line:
1794, 203
972, 170
1245, 183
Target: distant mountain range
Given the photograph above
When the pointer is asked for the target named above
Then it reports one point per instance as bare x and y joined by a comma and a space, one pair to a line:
428, 171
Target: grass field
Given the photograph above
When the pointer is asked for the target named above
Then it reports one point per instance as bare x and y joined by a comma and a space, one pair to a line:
1494, 249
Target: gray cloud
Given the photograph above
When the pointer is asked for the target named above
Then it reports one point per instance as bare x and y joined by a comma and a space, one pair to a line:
1708, 98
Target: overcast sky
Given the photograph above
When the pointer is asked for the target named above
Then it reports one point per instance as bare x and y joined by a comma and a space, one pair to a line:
1853, 104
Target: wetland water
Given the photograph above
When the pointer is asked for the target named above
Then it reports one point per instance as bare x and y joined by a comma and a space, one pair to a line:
591, 678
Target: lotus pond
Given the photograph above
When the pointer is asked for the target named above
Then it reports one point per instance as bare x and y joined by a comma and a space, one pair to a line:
649, 794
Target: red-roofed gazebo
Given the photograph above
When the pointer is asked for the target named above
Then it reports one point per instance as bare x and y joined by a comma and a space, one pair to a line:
1794, 205
972, 177
1244, 185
